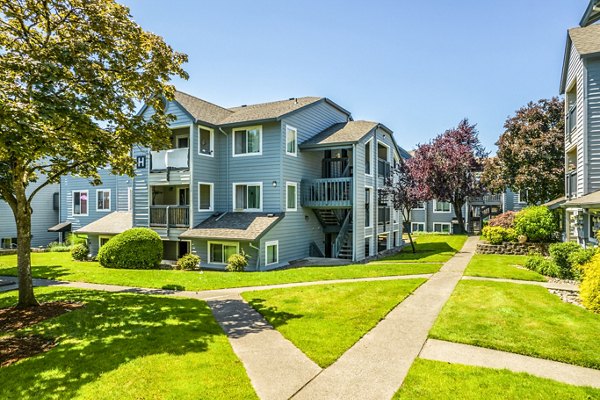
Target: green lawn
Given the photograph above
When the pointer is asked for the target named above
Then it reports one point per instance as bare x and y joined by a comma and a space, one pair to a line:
430, 248
326, 320
126, 346
524, 319
60, 266
437, 380
501, 266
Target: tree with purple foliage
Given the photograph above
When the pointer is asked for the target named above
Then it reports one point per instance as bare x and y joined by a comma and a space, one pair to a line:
448, 168
402, 190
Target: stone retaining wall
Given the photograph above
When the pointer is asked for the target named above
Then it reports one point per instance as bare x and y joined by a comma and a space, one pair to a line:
513, 248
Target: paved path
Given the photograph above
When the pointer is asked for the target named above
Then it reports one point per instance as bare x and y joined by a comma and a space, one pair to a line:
375, 367
547, 285
438, 350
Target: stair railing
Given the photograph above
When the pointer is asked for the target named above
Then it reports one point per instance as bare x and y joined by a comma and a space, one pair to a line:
341, 237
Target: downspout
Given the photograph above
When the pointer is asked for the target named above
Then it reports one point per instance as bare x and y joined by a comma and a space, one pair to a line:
226, 166
257, 255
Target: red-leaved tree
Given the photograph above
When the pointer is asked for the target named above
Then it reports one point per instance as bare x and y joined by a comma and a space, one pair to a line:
448, 168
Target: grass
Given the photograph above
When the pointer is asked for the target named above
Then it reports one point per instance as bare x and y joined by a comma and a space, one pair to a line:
60, 266
501, 266
324, 321
523, 319
430, 248
126, 346
437, 380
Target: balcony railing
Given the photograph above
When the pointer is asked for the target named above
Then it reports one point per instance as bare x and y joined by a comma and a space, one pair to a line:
571, 184
170, 159
170, 216
327, 193
383, 168
487, 199
384, 218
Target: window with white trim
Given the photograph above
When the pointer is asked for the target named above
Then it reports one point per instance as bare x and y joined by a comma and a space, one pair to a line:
368, 166
205, 196
102, 240
219, 252
272, 252
80, 202
417, 227
441, 227
368, 200
420, 206
247, 141
522, 196
103, 200
441, 206
8, 243
291, 141
247, 196
206, 141
291, 196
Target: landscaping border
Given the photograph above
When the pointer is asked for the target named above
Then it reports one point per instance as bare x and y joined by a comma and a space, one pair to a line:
513, 248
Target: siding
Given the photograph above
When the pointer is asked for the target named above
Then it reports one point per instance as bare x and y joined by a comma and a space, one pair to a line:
593, 124
576, 74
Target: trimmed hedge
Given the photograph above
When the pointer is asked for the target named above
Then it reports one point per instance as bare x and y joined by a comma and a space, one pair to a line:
537, 223
237, 262
498, 234
137, 248
590, 285
80, 252
188, 262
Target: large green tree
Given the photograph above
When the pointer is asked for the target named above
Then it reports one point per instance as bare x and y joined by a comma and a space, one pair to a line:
531, 154
72, 73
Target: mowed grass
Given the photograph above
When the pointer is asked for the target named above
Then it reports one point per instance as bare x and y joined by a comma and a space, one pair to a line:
437, 380
430, 248
501, 266
523, 319
326, 320
126, 346
60, 266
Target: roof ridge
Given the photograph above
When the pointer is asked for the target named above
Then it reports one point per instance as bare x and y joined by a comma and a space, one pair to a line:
206, 101
275, 101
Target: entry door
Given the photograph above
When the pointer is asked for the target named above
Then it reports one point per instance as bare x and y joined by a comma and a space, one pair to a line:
183, 248
184, 196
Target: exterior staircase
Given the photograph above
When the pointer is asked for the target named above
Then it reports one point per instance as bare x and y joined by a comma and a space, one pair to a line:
346, 249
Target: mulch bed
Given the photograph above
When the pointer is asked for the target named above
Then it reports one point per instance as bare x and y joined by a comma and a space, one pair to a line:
15, 348
13, 318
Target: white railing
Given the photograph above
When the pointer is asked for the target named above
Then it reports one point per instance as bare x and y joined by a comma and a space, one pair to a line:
172, 158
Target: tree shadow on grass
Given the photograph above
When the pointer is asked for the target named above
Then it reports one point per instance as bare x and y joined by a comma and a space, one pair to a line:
272, 314
39, 271
112, 329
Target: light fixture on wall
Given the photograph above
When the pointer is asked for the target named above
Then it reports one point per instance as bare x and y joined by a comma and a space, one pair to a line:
274, 183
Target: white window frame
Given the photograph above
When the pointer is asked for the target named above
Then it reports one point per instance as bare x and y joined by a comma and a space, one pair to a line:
271, 243
100, 240
370, 238
223, 243
420, 208
212, 197
519, 197
287, 185
87, 193
448, 224
371, 156
260, 184
292, 129
435, 211
371, 199
387, 158
412, 226
211, 144
109, 200
247, 128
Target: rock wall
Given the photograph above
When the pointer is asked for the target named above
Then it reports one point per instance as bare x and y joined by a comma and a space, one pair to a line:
513, 248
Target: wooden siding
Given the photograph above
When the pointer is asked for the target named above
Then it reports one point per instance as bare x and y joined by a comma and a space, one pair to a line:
575, 75
593, 124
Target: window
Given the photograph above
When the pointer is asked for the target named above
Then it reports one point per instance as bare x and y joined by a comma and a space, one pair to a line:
522, 196
205, 141
291, 141
247, 141
103, 200
441, 227
80, 202
205, 196
441, 206
382, 242
219, 252
368, 158
368, 207
367, 246
8, 243
102, 240
272, 252
420, 206
417, 227
291, 196
247, 196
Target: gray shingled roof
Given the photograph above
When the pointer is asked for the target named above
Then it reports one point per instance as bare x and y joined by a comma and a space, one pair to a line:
591, 199
586, 40
202, 110
263, 111
345, 132
111, 224
234, 226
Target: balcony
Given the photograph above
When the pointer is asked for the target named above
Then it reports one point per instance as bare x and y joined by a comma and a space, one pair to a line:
327, 193
170, 216
336, 167
571, 184
384, 219
170, 159
487, 200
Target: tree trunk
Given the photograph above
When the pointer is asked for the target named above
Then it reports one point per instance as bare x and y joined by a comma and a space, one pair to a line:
459, 217
412, 244
23, 221
406, 228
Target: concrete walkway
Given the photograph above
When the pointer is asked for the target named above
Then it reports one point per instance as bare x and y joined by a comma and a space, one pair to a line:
547, 285
375, 367
438, 350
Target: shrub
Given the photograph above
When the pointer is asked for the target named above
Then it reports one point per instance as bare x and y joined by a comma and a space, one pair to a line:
137, 248
57, 247
537, 223
542, 265
504, 220
581, 257
560, 252
80, 252
590, 285
498, 234
237, 262
188, 262
73, 239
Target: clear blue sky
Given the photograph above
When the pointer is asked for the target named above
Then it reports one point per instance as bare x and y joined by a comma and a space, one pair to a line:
416, 66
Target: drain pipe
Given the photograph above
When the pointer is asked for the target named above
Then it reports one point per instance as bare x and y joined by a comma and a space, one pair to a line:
226, 165
257, 255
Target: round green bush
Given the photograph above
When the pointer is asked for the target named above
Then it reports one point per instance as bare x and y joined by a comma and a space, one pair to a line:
237, 263
80, 252
537, 223
188, 262
137, 248
498, 234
